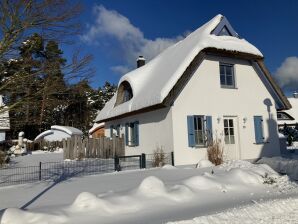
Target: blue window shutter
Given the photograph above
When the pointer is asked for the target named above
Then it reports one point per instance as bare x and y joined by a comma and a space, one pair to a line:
126, 133
209, 129
258, 122
191, 131
136, 132
111, 131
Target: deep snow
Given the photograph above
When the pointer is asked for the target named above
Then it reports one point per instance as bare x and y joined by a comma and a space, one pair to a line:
145, 196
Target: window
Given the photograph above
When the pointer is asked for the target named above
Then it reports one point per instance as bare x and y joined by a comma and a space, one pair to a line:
229, 131
199, 130
284, 116
259, 135
124, 93
132, 134
115, 130
227, 79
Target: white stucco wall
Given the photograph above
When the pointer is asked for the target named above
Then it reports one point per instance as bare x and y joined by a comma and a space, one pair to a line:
203, 95
155, 131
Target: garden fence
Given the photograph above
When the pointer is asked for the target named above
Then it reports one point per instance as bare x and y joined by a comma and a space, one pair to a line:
58, 171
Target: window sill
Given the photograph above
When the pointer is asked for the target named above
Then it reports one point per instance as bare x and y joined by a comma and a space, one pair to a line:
199, 146
228, 87
132, 145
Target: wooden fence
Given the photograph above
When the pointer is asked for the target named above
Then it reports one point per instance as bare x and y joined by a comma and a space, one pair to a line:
102, 147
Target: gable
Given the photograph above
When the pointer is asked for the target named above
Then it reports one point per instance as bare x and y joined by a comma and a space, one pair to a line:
224, 28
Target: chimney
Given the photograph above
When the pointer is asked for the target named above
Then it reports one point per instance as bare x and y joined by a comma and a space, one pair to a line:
141, 61
295, 94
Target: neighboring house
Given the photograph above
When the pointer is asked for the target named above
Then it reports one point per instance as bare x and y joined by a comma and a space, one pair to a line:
212, 84
58, 133
98, 130
290, 117
4, 120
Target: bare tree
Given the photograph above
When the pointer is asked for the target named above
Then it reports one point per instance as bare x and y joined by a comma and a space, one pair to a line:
53, 20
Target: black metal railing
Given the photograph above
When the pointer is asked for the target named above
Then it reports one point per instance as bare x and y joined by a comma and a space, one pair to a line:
58, 171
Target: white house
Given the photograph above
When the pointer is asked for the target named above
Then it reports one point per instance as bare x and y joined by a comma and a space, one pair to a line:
58, 133
4, 120
212, 84
290, 117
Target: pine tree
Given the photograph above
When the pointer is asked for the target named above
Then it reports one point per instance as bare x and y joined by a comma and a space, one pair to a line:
54, 87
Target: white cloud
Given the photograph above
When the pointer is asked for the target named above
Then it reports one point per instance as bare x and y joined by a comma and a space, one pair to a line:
130, 40
120, 69
287, 74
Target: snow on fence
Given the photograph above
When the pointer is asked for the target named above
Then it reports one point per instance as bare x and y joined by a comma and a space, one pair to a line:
102, 147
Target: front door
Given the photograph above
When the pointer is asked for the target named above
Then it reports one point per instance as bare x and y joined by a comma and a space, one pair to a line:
231, 148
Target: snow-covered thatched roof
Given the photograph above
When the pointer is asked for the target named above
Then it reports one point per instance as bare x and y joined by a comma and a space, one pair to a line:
152, 82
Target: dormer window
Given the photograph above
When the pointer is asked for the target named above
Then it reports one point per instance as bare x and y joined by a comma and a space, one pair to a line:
124, 93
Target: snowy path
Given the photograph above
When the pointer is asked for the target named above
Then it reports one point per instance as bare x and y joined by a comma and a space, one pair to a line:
274, 212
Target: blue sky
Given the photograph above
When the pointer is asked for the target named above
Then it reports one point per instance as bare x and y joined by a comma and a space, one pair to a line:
116, 32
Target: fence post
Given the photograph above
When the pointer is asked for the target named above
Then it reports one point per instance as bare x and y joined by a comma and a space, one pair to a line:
117, 163
172, 157
39, 171
143, 161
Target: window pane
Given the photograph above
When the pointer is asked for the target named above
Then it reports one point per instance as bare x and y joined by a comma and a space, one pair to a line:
222, 80
222, 69
225, 123
226, 131
232, 139
196, 123
201, 138
231, 131
229, 80
228, 70
231, 123
227, 140
200, 123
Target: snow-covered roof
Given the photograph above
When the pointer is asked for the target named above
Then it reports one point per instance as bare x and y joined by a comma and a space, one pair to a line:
152, 82
57, 133
67, 129
96, 126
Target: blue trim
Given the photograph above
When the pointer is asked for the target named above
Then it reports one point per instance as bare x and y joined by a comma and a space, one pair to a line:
126, 134
224, 23
190, 131
258, 123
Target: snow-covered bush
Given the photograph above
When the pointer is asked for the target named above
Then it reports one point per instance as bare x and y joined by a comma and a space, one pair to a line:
215, 152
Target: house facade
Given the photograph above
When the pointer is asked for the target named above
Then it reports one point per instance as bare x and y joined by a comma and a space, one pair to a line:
211, 85
4, 121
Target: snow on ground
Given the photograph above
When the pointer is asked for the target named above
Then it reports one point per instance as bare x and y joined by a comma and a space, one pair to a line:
282, 165
276, 211
34, 157
156, 195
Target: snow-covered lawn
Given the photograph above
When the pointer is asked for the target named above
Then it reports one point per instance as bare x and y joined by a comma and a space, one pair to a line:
273, 212
157, 195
